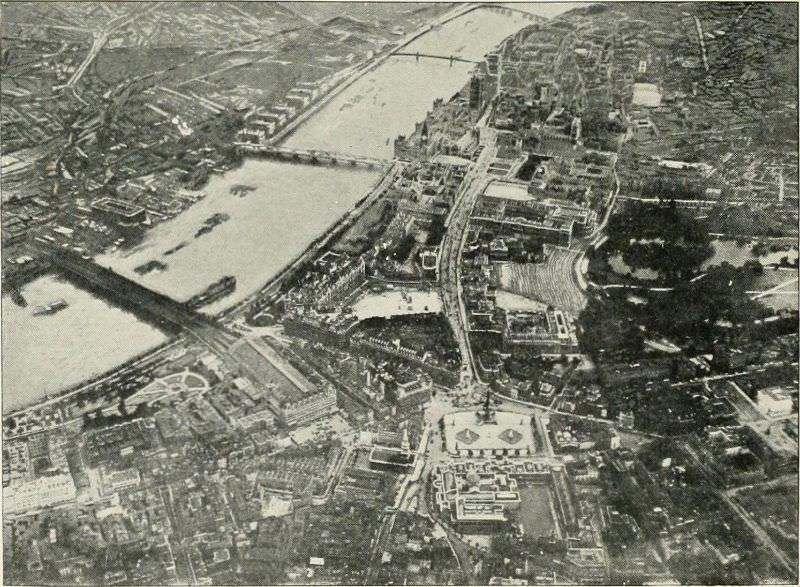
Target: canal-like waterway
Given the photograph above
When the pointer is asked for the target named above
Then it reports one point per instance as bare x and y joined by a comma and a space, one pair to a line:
289, 207
724, 251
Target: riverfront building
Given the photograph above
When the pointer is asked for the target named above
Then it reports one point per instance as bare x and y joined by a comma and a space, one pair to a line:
447, 129
344, 284
119, 211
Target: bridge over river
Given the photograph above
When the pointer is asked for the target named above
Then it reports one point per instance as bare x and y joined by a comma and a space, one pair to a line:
313, 157
128, 293
451, 58
209, 331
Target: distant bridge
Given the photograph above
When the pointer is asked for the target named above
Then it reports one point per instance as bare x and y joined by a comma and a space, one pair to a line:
450, 58
313, 157
504, 9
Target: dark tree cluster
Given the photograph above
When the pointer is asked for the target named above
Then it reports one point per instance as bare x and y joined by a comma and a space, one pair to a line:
661, 238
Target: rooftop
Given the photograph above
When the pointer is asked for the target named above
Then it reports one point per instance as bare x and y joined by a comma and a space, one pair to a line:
507, 191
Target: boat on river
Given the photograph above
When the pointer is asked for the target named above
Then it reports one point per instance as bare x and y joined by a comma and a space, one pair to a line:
50, 308
215, 291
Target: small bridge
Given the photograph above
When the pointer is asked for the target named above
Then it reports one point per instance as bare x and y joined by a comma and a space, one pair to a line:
313, 157
450, 58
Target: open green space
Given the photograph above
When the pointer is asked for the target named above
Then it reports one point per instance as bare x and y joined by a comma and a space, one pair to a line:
534, 511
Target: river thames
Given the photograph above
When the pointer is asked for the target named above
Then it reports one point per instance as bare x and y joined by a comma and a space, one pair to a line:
288, 208
45, 354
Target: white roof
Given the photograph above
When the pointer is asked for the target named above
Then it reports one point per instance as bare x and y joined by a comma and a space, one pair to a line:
646, 95
507, 190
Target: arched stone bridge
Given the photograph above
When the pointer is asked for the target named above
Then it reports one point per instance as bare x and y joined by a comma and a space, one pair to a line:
314, 157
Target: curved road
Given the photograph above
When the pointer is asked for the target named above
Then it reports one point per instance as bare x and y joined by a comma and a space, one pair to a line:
450, 254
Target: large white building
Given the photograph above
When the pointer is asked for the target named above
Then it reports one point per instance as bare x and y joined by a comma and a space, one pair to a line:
774, 402
38, 493
647, 95
475, 500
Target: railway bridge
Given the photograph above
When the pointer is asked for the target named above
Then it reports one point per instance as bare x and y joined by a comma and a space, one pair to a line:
160, 307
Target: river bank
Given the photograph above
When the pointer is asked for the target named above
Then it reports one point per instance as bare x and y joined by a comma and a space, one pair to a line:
347, 124
339, 226
188, 266
361, 70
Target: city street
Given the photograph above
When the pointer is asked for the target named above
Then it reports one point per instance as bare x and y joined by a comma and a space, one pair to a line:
452, 245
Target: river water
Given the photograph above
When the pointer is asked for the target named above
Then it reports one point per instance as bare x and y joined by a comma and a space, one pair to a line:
289, 207
257, 241
45, 354
365, 118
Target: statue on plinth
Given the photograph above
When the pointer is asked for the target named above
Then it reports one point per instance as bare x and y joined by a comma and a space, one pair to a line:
487, 416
